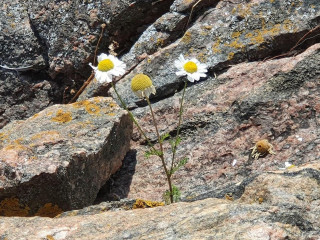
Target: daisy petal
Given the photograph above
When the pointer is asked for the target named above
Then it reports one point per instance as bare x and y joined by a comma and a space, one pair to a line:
190, 78
181, 73
102, 56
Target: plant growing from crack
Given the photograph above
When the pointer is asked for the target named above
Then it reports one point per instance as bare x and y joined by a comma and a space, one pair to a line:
142, 86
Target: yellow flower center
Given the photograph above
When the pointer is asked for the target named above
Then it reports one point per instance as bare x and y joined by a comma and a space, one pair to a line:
190, 67
140, 82
105, 65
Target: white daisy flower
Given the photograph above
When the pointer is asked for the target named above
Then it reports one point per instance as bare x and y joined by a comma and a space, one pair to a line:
108, 66
142, 86
192, 68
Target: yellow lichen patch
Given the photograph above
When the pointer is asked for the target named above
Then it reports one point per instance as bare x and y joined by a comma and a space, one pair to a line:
49, 113
236, 34
230, 55
160, 42
288, 26
215, 46
113, 105
258, 36
234, 44
202, 57
244, 10
186, 37
111, 114
50, 237
92, 109
10, 207
35, 116
49, 210
15, 147
62, 117
3, 136
206, 27
146, 204
229, 196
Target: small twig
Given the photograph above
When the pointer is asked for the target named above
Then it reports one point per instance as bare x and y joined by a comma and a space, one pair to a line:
86, 83
18, 69
304, 36
103, 26
301, 40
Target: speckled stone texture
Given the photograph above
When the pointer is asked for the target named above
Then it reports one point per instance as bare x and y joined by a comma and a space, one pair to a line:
224, 34
51, 43
276, 100
247, 96
62, 155
275, 205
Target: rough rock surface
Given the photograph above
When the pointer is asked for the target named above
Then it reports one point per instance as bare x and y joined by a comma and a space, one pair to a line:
50, 44
225, 34
246, 97
61, 156
276, 100
275, 205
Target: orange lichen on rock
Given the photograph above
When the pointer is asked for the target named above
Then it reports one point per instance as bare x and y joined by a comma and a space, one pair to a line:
49, 210
146, 204
230, 55
3, 136
50, 237
215, 46
90, 107
186, 37
62, 117
10, 207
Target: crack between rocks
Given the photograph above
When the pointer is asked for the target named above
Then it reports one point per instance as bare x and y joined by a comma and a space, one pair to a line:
41, 41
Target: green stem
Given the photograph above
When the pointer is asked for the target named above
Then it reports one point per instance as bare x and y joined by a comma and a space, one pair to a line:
133, 118
162, 155
179, 125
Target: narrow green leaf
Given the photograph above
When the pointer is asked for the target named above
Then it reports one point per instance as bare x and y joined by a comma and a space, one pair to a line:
164, 137
180, 164
152, 153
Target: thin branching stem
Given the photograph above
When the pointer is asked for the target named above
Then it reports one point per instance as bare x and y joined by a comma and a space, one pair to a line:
162, 153
174, 150
133, 118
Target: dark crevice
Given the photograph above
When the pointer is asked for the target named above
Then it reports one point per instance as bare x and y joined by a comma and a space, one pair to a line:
118, 185
144, 13
42, 42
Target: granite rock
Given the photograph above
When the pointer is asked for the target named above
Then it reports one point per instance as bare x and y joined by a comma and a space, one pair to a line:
51, 43
275, 205
61, 156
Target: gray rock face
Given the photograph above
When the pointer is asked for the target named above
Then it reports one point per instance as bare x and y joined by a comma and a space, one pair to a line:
267, 209
62, 155
51, 43
225, 35
223, 118
246, 97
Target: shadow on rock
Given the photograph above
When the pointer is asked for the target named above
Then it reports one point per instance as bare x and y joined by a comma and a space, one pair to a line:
118, 186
